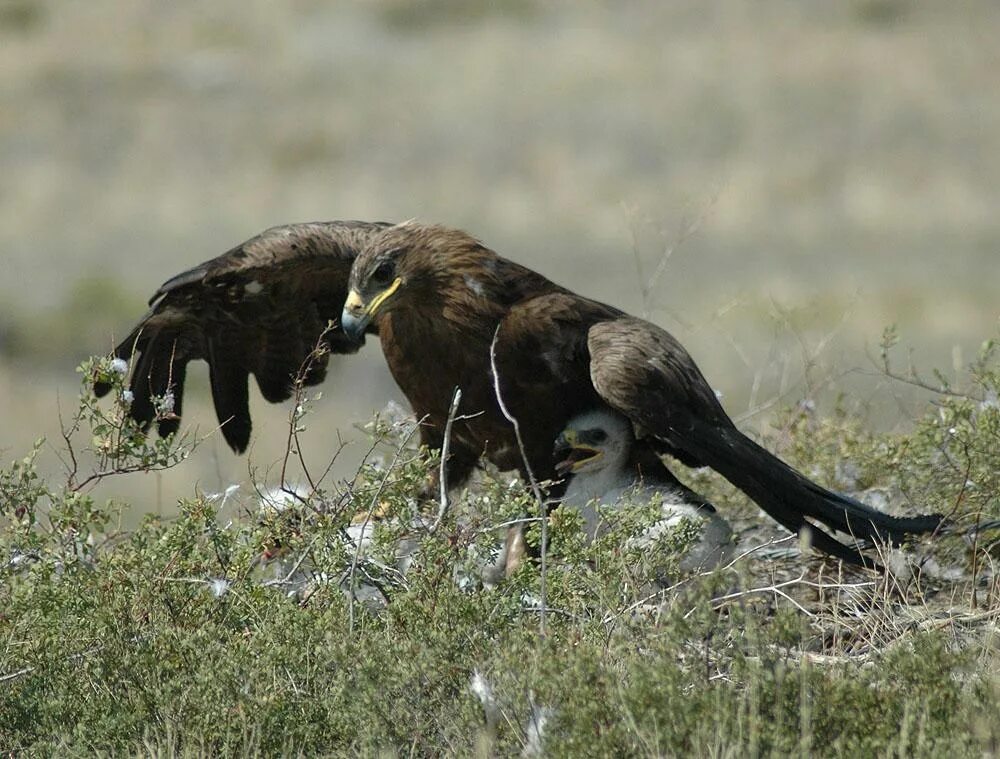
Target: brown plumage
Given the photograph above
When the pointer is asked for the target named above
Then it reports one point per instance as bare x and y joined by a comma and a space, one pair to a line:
257, 309
437, 297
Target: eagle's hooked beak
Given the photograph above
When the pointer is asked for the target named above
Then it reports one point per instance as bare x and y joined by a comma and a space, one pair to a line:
570, 454
356, 316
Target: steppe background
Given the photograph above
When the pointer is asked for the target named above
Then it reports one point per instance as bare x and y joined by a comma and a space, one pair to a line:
819, 169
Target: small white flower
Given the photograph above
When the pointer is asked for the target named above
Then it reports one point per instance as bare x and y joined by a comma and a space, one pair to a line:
167, 404
127, 397
218, 586
119, 366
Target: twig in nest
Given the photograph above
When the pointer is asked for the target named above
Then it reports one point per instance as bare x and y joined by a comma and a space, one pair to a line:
535, 489
443, 470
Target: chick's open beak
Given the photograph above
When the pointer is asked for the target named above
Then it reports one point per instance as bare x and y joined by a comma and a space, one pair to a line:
570, 454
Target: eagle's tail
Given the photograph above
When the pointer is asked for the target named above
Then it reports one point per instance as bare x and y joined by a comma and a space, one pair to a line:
797, 502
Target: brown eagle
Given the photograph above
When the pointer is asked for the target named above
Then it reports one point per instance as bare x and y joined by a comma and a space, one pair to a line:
444, 305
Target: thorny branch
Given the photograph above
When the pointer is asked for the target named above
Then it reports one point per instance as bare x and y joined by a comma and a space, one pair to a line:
295, 415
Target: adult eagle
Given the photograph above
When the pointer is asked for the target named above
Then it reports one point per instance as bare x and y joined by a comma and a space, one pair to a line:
444, 304
441, 301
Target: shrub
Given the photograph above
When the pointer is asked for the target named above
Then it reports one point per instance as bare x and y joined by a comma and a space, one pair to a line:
239, 629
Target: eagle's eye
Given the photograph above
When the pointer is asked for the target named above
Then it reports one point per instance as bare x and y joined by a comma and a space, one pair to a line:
383, 273
598, 435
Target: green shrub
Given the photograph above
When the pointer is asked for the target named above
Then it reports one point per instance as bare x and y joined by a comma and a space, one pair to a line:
180, 636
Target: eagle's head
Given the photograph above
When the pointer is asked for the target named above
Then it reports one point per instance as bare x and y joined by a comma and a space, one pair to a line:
408, 265
594, 441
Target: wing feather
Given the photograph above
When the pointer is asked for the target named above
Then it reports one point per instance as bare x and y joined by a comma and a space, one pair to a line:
260, 308
230, 395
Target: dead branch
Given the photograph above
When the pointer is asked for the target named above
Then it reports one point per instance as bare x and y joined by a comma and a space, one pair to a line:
443, 465
535, 488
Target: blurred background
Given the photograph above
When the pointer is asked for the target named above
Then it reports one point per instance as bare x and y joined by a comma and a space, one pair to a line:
773, 182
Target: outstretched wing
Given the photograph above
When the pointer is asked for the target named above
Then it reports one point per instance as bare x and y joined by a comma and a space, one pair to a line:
643, 372
260, 309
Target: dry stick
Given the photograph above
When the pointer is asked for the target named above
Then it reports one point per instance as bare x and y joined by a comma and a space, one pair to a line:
341, 445
535, 489
443, 471
103, 474
810, 356
295, 415
16, 674
914, 380
71, 466
776, 589
368, 517
295, 568
664, 591
689, 227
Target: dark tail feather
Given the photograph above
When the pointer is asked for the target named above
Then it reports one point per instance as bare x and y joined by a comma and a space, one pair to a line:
791, 498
